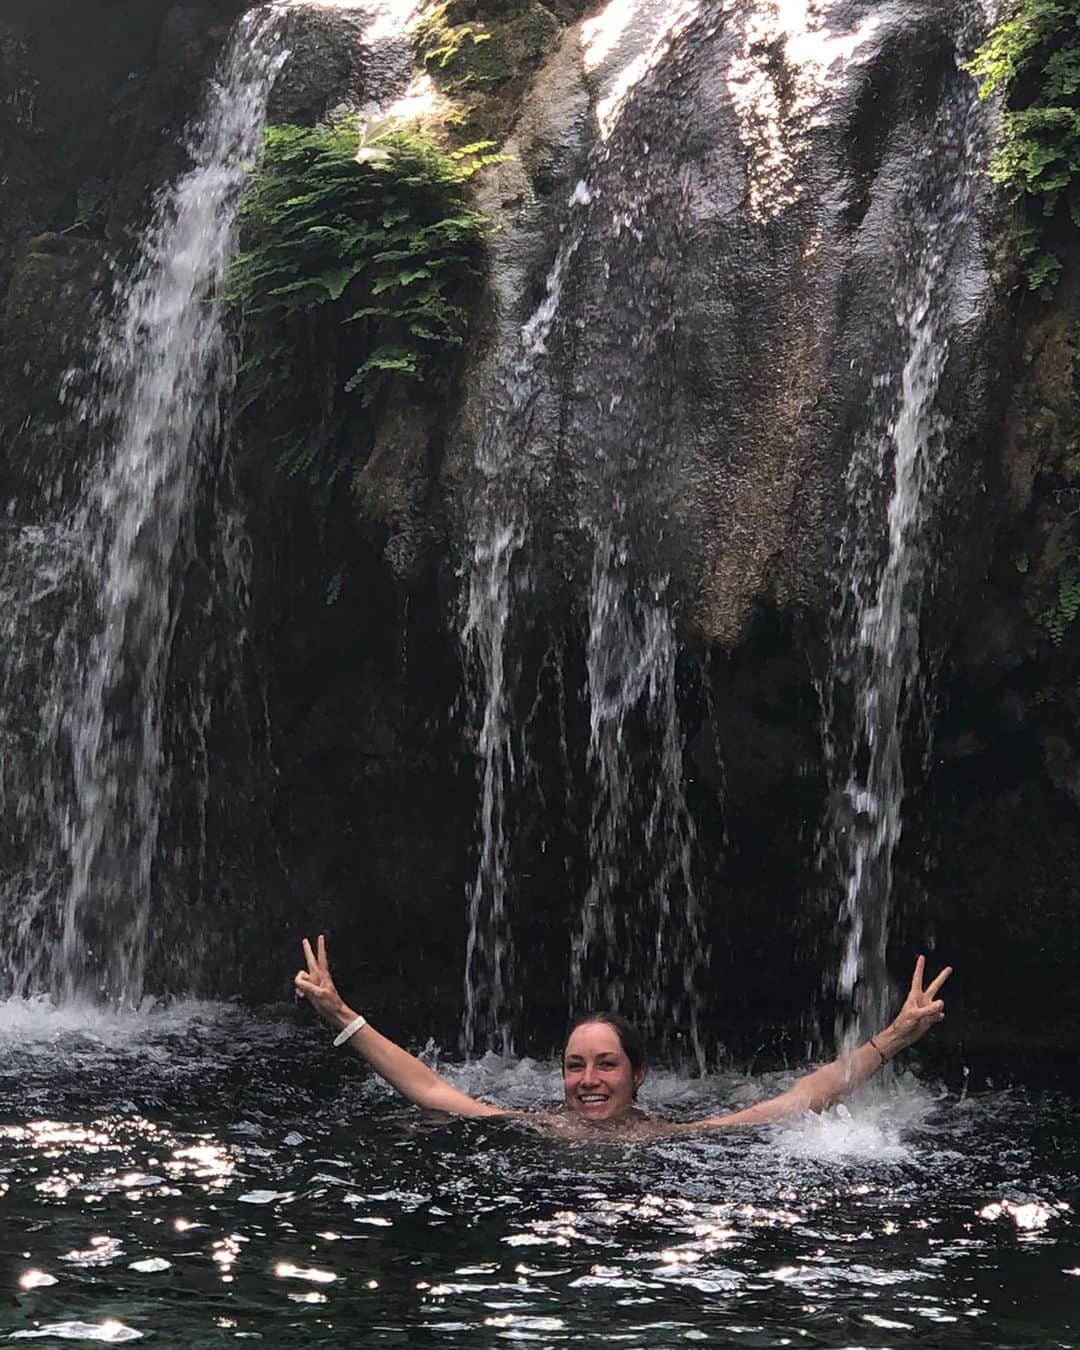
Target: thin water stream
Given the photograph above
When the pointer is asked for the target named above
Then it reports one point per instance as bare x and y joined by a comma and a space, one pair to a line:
880, 674
498, 526
203, 1175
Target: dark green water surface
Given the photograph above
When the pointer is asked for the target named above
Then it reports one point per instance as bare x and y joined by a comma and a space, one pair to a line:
200, 1177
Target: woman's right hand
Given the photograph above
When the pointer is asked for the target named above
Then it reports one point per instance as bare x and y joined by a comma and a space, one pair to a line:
316, 984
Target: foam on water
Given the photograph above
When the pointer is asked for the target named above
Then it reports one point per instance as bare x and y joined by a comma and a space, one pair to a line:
38, 1023
875, 1126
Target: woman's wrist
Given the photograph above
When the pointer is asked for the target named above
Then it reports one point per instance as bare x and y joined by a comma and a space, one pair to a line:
336, 1012
888, 1043
343, 1015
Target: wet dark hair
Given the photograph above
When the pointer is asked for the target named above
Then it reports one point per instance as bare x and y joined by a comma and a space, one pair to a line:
631, 1040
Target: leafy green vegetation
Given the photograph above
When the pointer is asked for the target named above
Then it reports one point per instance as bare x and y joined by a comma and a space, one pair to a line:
1032, 58
356, 270
1062, 614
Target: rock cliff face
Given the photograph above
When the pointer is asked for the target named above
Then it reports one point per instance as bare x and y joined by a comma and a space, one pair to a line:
712, 255
719, 322
746, 258
1001, 803
81, 135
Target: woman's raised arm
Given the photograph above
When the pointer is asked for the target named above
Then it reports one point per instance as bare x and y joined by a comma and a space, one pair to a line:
409, 1075
825, 1086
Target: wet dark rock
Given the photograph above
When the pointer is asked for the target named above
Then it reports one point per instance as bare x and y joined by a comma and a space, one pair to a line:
78, 128
51, 290
756, 326
325, 68
1018, 642
393, 489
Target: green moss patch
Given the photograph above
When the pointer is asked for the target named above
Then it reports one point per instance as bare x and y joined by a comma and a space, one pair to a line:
483, 56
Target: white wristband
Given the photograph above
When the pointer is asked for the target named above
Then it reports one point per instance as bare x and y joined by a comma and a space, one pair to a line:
351, 1030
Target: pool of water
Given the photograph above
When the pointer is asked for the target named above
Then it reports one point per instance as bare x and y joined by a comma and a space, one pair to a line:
201, 1176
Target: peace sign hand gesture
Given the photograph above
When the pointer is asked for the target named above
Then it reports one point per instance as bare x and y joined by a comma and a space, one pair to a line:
316, 984
922, 1008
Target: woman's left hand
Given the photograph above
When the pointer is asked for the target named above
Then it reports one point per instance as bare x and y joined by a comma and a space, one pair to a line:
922, 1009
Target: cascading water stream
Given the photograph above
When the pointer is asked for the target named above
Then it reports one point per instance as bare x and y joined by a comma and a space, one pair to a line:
641, 884
637, 943
878, 670
630, 645
498, 525
158, 387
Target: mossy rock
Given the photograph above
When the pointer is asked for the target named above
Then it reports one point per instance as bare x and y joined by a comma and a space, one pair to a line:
484, 55
464, 49
465, 57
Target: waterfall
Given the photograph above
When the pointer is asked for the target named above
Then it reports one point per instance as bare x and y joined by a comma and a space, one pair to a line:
640, 917
635, 938
157, 390
498, 524
879, 673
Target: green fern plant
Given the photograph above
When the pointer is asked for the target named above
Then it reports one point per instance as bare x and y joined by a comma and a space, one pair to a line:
356, 270
1032, 59
1062, 614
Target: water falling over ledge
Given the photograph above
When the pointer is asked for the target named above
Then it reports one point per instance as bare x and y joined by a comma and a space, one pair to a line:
880, 674
156, 398
628, 620
633, 935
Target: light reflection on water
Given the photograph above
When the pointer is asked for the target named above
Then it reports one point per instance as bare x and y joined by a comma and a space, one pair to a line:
202, 1176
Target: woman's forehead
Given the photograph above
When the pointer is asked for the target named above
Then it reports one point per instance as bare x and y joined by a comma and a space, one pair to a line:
593, 1038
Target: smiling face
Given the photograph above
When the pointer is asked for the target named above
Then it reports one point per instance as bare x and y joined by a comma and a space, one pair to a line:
598, 1078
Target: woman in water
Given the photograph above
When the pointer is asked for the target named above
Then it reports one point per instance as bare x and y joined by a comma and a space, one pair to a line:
604, 1064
